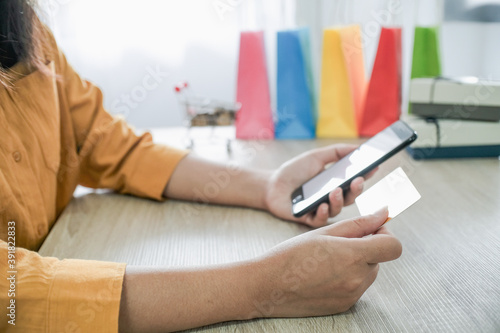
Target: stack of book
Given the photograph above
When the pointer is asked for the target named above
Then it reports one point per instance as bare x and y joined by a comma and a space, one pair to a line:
455, 117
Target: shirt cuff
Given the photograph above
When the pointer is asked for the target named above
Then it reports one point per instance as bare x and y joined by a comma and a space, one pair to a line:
153, 169
85, 296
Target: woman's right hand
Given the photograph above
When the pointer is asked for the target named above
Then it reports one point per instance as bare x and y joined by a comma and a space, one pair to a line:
321, 272
324, 271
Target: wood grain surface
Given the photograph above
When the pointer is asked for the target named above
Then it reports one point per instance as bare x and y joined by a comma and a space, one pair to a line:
447, 280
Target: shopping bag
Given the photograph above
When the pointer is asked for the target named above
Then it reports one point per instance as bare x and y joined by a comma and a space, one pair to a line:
383, 98
352, 48
343, 83
295, 92
306, 51
254, 119
426, 58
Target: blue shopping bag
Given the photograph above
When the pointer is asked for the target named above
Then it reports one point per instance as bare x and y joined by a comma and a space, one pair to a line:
296, 108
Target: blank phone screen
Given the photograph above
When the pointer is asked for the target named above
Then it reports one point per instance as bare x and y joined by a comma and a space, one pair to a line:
360, 159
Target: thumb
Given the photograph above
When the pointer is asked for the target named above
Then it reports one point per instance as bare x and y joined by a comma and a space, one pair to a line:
358, 227
332, 153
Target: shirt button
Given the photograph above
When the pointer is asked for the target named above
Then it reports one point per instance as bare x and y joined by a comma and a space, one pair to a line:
17, 156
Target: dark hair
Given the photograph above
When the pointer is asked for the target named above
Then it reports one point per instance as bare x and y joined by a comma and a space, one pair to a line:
21, 35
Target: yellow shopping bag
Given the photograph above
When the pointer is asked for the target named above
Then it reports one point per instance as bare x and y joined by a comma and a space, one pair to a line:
343, 83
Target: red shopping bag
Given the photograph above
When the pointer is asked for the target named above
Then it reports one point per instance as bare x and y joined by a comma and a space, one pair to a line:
383, 98
254, 120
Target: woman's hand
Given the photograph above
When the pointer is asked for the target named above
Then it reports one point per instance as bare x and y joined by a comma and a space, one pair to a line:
324, 271
197, 179
296, 172
321, 272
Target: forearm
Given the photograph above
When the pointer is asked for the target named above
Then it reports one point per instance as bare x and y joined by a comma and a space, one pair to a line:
155, 299
196, 179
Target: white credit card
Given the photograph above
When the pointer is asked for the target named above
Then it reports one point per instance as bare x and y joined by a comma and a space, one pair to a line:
395, 191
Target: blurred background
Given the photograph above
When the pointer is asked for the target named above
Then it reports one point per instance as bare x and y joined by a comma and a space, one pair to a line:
118, 44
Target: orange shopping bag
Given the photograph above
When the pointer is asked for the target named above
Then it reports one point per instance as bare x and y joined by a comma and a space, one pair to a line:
383, 98
254, 119
343, 83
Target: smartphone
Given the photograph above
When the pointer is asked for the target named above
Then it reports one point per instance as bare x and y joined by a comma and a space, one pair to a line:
365, 158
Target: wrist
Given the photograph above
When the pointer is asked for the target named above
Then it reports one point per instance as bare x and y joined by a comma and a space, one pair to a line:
264, 181
254, 188
245, 290
262, 295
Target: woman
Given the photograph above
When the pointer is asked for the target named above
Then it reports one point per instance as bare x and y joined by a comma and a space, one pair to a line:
56, 135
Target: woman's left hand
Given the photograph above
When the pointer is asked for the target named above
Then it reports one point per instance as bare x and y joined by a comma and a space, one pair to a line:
300, 169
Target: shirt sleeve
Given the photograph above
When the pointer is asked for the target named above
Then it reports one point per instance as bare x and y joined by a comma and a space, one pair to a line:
111, 155
52, 295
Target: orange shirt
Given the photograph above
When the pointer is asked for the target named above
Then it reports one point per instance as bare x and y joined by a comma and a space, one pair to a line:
54, 135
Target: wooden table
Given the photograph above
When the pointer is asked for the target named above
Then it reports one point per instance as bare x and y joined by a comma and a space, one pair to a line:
447, 280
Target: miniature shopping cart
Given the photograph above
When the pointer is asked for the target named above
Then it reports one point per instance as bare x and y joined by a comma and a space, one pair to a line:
200, 111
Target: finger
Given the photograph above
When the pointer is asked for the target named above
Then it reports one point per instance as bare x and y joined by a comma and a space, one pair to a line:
371, 276
332, 153
370, 174
355, 189
383, 231
336, 199
320, 218
317, 218
358, 227
381, 248
362, 282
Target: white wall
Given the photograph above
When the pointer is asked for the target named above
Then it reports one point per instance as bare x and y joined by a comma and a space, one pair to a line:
114, 43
